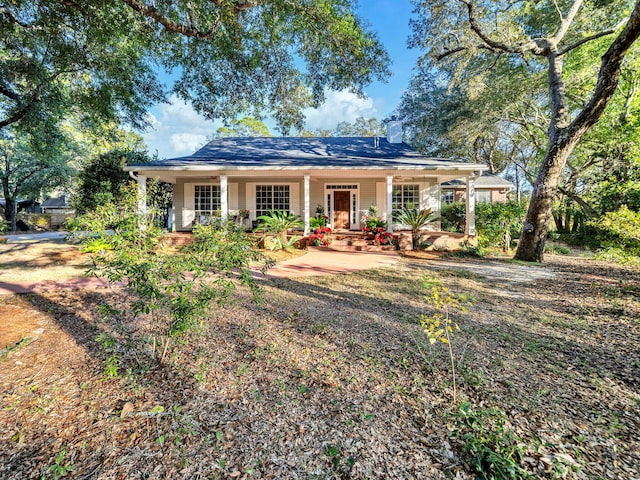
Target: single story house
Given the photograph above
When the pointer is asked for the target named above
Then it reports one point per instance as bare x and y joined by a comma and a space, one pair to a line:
490, 188
56, 205
343, 176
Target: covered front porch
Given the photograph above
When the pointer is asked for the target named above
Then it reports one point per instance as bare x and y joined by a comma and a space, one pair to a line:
344, 198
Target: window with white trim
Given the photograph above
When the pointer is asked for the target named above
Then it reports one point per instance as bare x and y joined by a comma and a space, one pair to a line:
447, 196
483, 196
272, 197
207, 200
405, 196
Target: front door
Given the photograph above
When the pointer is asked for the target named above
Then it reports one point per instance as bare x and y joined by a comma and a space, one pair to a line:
341, 209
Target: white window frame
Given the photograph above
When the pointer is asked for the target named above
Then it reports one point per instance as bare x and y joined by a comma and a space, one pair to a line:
214, 199
395, 207
483, 195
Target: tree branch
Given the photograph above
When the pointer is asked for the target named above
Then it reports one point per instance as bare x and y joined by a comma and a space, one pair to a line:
607, 76
9, 93
155, 14
536, 46
588, 209
13, 19
565, 23
587, 39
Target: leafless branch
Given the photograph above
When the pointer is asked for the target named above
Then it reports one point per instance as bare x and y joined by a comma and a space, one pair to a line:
555, 3
9, 93
565, 23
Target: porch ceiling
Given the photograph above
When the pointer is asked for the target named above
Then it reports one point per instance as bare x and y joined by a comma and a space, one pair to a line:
404, 174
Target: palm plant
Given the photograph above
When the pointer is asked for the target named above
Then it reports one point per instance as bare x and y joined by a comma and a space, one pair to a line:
278, 222
416, 220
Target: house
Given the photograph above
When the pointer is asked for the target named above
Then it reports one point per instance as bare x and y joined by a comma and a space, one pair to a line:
56, 205
343, 176
490, 188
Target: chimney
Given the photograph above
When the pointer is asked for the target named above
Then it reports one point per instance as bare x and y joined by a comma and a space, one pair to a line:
394, 131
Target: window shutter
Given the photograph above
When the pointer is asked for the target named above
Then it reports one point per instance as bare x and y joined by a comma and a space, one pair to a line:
381, 198
188, 210
294, 198
232, 196
250, 198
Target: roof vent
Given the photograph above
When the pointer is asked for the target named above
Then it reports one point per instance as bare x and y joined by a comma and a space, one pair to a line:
394, 131
376, 142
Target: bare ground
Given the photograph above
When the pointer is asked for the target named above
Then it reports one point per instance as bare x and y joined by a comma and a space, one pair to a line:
34, 262
331, 378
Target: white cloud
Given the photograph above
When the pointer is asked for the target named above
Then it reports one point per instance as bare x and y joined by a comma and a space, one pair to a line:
342, 106
177, 129
186, 143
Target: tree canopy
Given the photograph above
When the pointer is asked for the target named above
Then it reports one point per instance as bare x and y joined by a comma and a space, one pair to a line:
232, 56
492, 60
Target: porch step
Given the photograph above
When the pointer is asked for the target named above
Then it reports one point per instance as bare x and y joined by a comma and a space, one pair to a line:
354, 248
178, 239
351, 242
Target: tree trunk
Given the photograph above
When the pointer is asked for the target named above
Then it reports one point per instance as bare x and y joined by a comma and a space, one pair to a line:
559, 222
11, 204
14, 213
564, 139
536, 224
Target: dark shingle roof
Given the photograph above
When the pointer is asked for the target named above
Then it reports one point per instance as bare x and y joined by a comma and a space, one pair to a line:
300, 152
487, 180
55, 202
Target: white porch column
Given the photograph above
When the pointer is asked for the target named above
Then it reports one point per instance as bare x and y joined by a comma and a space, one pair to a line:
224, 201
470, 227
307, 201
389, 211
142, 194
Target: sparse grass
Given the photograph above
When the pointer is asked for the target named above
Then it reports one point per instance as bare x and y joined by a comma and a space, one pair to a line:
39, 262
333, 378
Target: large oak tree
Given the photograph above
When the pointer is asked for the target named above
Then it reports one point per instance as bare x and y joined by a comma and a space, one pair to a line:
100, 59
534, 37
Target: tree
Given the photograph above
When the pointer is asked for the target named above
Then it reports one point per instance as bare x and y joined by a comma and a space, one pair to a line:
361, 127
101, 179
29, 165
244, 127
232, 56
534, 37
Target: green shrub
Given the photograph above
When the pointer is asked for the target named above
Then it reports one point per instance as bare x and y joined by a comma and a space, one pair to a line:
278, 223
555, 249
96, 245
452, 217
492, 220
619, 230
490, 447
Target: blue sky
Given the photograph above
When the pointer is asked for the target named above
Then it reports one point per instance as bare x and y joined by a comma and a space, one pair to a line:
177, 130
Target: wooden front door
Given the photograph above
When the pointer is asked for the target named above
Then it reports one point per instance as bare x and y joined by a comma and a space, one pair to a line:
341, 209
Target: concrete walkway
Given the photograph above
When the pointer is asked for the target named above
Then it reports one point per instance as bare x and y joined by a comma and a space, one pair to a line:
329, 262
315, 263
34, 237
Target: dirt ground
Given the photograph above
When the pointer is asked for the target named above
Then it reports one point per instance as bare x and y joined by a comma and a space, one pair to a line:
33, 262
331, 377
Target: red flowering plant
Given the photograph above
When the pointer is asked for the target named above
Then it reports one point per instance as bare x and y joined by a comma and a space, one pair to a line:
383, 238
320, 237
374, 225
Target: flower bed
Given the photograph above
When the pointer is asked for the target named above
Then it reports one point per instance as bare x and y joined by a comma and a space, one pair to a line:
320, 237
